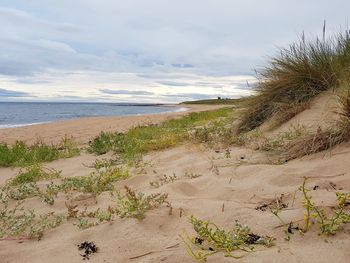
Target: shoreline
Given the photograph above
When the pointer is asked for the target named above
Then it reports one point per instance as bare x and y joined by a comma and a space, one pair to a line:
84, 129
176, 108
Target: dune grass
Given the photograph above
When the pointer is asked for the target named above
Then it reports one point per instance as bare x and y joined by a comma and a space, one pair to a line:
323, 139
21, 154
133, 144
295, 76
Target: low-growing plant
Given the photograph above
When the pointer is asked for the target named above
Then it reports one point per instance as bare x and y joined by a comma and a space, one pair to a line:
211, 239
25, 191
191, 175
130, 146
136, 205
68, 147
96, 183
21, 154
17, 222
165, 179
328, 224
34, 173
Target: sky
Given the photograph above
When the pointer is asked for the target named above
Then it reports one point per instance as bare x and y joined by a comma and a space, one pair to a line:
149, 51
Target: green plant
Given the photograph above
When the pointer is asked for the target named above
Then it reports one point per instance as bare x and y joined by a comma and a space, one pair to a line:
17, 222
25, 191
68, 147
192, 175
136, 205
34, 173
323, 139
96, 183
21, 154
210, 239
328, 225
165, 179
130, 146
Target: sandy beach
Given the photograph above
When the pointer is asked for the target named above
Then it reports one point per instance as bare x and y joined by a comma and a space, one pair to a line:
226, 189
84, 129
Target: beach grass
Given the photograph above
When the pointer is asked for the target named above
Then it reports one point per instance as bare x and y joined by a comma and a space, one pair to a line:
21, 154
143, 139
295, 76
323, 139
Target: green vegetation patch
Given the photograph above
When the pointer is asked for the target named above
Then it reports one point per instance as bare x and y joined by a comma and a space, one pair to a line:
95, 183
295, 76
21, 154
210, 239
34, 173
133, 144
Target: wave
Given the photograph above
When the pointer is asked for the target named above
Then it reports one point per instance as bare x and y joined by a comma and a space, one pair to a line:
7, 126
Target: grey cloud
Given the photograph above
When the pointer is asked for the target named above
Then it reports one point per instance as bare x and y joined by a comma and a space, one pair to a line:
12, 93
171, 42
194, 96
126, 92
179, 65
173, 83
176, 36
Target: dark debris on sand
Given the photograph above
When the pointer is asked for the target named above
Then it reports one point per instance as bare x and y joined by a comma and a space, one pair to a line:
88, 248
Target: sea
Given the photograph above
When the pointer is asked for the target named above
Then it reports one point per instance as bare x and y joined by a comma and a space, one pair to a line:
16, 114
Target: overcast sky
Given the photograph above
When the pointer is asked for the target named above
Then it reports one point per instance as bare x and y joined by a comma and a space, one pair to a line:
148, 50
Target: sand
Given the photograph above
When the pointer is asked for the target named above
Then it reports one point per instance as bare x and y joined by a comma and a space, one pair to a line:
228, 189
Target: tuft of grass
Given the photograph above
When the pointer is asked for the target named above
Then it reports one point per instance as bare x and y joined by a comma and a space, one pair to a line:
294, 77
136, 205
34, 173
323, 139
21, 154
130, 146
211, 239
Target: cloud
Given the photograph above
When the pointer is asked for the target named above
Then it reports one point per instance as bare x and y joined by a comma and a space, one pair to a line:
193, 96
126, 92
12, 94
173, 83
164, 47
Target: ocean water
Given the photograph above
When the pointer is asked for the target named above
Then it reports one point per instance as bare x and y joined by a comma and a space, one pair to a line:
15, 114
